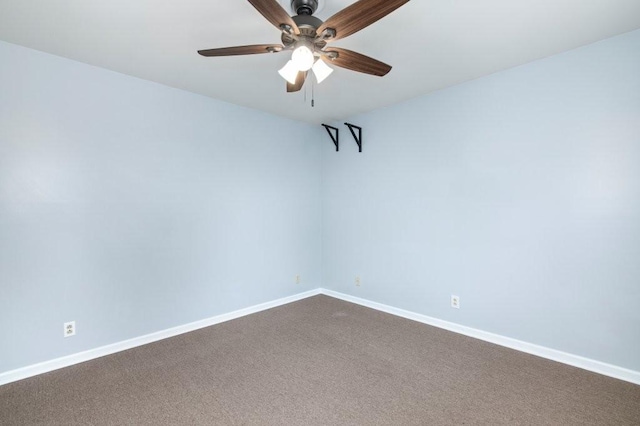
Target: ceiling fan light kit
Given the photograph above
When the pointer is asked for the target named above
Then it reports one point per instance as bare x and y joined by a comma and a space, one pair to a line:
289, 72
308, 37
321, 70
302, 55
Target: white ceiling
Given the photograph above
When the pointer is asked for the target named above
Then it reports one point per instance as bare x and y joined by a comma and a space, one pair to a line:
431, 44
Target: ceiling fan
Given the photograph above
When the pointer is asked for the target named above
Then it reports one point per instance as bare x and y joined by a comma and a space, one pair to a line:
308, 37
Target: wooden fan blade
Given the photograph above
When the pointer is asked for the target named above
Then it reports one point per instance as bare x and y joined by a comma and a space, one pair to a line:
302, 76
275, 14
357, 62
242, 50
359, 15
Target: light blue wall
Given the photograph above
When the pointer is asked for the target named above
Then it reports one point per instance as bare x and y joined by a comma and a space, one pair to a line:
519, 192
131, 207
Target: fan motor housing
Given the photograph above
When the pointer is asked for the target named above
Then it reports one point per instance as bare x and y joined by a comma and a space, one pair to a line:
307, 21
307, 25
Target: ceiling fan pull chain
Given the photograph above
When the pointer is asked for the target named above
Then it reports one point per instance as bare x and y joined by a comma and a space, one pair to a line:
312, 94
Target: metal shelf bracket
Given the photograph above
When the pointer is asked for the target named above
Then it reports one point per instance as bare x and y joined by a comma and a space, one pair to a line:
357, 138
333, 138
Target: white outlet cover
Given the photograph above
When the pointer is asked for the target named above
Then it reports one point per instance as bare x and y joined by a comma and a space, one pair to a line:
69, 329
455, 301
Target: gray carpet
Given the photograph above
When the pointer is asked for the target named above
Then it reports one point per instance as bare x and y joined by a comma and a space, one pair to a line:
320, 361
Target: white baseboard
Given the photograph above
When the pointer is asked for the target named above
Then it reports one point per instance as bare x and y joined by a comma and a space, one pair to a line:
66, 361
541, 351
530, 348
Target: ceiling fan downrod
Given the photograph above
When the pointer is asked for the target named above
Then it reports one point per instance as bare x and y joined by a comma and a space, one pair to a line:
304, 7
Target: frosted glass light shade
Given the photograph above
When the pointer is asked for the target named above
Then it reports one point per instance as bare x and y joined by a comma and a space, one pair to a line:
289, 72
321, 70
303, 58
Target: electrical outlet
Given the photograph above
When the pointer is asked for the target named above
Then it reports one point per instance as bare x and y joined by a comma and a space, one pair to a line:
69, 329
298, 280
357, 281
455, 302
